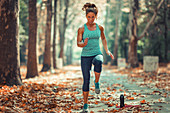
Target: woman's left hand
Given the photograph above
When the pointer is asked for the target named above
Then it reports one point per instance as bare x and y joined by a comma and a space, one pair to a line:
110, 54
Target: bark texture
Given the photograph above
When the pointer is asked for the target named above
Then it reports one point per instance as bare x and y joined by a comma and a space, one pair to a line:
47, 53
32, 67
9, 43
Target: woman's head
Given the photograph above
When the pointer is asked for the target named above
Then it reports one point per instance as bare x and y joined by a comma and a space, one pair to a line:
91, 12
88, 7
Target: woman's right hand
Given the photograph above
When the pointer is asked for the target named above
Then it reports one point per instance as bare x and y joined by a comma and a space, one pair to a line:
110, 54
86, 41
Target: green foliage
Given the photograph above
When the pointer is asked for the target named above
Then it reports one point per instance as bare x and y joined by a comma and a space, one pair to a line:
123, 48
23, 38
39, 1
154, 42
23, 16
23, 28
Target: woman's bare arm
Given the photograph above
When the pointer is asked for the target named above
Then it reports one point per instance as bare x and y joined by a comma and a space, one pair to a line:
80, 38
105, 42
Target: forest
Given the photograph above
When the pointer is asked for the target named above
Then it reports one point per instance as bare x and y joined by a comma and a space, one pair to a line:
38, 37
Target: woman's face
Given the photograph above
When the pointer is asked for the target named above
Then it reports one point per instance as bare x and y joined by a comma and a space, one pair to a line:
90, 17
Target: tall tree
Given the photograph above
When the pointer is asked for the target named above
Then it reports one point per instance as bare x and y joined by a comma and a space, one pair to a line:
63, 24
32, 69
117, 30
54, 35
106, 30
166, 30
69, 51
9, 43
41, 17
132, 52
47, 53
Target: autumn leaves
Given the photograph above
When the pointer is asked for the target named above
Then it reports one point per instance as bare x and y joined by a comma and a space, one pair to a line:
63, 93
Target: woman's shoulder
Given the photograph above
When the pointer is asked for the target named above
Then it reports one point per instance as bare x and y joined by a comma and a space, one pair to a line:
101, 27
81, 28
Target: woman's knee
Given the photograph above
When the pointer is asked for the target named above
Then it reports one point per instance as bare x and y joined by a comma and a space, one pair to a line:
98, 60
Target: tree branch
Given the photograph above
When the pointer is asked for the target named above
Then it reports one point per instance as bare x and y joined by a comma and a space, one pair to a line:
151, 20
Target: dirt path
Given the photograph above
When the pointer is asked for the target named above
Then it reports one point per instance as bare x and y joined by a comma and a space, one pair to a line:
60, 91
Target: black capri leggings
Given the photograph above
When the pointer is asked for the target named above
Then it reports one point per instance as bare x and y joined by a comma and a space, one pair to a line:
86, 64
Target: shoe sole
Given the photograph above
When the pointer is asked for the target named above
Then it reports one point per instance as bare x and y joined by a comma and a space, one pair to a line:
85, 111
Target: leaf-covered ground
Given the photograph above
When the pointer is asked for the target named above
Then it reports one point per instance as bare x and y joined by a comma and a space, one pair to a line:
61, 91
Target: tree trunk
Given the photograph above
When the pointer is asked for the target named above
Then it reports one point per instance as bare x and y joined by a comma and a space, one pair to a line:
69, 51
114, 62
9, 43
132, 52
32, 69
47, 53
63, 25
54, 35
125, 51
117, 32
106, 31
62, 39
166, 29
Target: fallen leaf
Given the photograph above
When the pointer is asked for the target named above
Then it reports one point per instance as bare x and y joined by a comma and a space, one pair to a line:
143, 102
110, 105
120, 90
130, 98
134, 93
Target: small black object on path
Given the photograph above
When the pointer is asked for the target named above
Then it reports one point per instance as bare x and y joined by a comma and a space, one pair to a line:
122, 104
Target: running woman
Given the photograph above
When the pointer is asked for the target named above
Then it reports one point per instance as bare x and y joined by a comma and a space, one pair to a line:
88, 38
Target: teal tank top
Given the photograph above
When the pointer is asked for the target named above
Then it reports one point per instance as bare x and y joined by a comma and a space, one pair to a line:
92, 48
